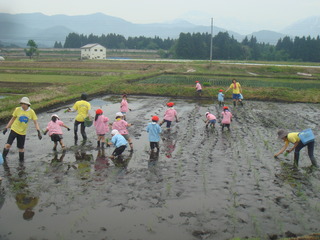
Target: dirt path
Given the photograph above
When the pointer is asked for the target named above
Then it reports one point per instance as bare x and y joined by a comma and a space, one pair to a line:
204, 184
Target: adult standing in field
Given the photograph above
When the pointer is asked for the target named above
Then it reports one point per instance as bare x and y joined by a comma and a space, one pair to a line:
198, 88
294, 138
82, 107
236, 92
19, 125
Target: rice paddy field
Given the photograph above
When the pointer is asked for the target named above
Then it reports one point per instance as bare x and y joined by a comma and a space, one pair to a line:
203, 184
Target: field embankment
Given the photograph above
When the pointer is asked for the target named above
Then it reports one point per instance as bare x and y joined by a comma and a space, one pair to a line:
57, 82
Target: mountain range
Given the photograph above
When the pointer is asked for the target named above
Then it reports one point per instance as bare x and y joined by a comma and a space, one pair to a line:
45, 30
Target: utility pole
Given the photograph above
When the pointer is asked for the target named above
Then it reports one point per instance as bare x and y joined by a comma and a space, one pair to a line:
211, 41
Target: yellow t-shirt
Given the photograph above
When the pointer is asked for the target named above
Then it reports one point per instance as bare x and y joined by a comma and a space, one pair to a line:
82, 107
237, 89
293, 137
20, 124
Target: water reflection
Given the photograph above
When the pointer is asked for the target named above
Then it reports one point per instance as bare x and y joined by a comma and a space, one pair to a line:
121, 162
57, 166
26, 200
83, 161
100, 165
169, 143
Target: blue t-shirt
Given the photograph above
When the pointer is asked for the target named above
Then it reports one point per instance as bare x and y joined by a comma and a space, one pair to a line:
154, 131
118, 140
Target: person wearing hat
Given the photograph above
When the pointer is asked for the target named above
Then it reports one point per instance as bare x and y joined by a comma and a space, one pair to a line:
236, 92
198, 88
169, 115
122, 125
294, 138
210, 120
82, 107
55, 131
19, 125
119, 142
226, 118
154, 131
221, 98
102, 127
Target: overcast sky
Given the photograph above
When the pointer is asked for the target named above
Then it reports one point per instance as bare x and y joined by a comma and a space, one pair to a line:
253, 14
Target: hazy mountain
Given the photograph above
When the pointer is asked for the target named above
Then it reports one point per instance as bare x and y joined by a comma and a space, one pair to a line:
305, 27
267, 36
45, 30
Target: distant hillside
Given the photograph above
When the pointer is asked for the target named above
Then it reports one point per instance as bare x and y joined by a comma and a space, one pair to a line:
267, 36
45, 30
305, 27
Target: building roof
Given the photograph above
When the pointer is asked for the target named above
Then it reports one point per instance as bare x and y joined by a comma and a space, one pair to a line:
91, 45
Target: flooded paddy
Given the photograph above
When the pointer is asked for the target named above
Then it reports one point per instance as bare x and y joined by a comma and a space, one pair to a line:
204, 184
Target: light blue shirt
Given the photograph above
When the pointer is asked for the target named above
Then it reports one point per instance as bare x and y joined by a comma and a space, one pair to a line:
220, 97
118, 140
154, 131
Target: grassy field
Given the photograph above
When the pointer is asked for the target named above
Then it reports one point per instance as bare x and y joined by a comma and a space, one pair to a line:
49, 83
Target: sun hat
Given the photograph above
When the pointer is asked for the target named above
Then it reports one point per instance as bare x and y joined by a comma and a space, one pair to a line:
124, 95
207, 113
225, 107
282, 133
220, 90
119, 114
55, 115
99, 111
25, 100
170, 104
155, 118
197, 81
114, 132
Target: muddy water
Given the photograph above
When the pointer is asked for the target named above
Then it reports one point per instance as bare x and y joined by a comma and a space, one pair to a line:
204, 184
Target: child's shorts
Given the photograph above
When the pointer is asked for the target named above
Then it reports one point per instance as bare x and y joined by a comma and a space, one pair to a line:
168, 123
119, 150
101, 135
126, 136
213, 121
154, 145
56, 137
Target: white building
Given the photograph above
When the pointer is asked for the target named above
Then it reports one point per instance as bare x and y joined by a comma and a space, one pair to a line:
93, 51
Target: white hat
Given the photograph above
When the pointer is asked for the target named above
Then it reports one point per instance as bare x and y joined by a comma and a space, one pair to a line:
25, 100
119, 114
114, 132
207, 113
55, 115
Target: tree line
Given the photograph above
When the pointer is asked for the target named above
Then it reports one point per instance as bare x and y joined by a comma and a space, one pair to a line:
198, 45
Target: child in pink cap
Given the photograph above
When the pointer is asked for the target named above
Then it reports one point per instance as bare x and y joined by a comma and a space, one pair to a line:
169, 115
211, 120
102, 127
55, 131
226, 118
121, 125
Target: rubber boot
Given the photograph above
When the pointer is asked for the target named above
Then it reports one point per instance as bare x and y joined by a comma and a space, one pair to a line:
241, 103
296, 160
98, 144
5, 153
234, 103
102, 145
21, 156
314, 162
